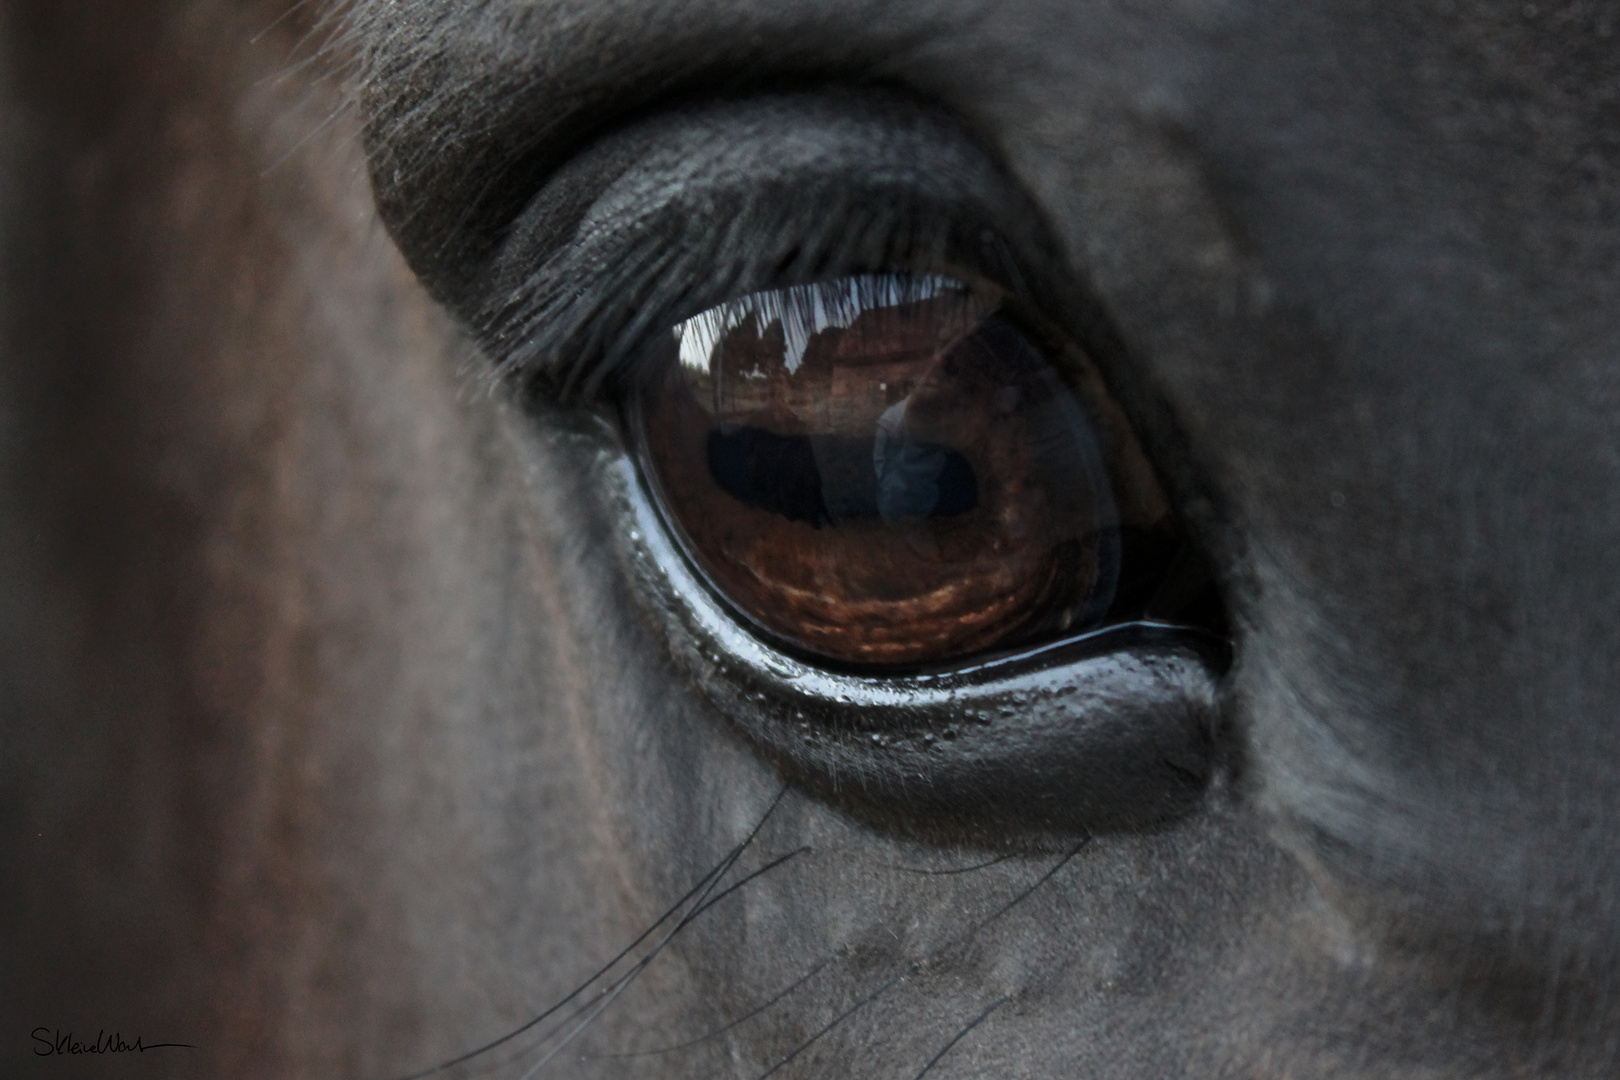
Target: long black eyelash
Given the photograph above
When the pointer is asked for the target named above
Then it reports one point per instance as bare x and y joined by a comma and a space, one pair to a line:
576, 322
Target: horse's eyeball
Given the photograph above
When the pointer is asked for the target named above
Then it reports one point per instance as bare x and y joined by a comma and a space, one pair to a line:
887, 470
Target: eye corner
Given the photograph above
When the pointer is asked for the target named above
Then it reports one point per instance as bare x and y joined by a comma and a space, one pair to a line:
1110, 726
1115, 595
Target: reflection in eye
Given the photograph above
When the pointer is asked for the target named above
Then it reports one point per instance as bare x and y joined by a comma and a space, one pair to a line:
887, 470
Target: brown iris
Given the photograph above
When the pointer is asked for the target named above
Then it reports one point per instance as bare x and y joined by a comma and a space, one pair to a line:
884, 470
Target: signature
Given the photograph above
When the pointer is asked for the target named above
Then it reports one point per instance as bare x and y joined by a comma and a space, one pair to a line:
48, 1042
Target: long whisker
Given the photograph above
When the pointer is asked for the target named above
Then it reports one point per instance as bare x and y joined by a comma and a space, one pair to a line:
950, 870
960, 1035
1019, 899
801, 980
641, 965
291, 10
911, 969
767, 868
576, 992
609, 997
744, 1018
623, 981
309, 136
943, 950
701, 889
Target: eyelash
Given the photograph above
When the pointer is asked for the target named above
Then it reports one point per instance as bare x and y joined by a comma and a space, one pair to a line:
572, 331
573, 327
1093, 731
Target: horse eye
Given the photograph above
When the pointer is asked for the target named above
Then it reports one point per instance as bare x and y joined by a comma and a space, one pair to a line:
888, 470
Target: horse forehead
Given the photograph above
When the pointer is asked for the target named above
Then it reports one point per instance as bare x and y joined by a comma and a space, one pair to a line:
1347, 244
1326, 90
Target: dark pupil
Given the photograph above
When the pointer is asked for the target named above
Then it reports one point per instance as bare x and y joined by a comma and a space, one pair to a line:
831, 478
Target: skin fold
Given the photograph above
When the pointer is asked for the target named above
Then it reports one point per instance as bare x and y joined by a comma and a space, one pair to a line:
349, 720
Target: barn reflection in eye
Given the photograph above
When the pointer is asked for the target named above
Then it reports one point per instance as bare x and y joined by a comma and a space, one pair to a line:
887, 470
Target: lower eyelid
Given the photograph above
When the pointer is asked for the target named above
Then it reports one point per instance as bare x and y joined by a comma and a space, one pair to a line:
1115, 731
1107, 731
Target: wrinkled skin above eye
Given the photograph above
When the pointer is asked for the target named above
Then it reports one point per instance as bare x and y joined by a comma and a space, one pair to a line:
883, 470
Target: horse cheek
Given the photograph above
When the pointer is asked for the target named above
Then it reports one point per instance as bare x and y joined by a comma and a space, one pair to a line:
287, 694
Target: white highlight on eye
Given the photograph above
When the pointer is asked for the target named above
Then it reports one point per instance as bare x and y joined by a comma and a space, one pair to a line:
804, 311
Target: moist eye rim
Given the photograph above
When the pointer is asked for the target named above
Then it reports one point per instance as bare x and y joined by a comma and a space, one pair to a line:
1047, 740
657, 547
1096, 641
1103, 630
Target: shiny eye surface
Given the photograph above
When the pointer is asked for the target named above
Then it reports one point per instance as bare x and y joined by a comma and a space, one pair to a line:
888, 470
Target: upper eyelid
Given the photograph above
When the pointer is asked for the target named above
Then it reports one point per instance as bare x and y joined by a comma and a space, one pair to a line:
688, 210
568, 288
610, 290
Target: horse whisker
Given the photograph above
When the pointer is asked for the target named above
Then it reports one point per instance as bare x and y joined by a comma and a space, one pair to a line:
623, 980
952, 870
641, 965
291, 10
308, 137
943, 950
699, 890
576, 992
1021, 897
840, 1018
960, 1035
772, 865
744, 1018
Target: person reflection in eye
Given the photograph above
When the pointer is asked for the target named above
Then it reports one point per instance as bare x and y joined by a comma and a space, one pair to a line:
908, 471
918, 480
